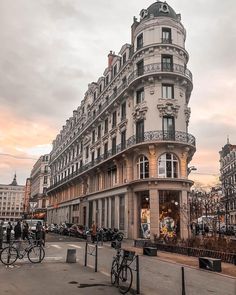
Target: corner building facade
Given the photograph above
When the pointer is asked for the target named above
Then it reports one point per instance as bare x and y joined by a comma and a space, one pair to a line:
122, 158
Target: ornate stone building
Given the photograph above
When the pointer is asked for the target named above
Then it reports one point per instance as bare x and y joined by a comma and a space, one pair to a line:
122, 158
39, 182
228, 180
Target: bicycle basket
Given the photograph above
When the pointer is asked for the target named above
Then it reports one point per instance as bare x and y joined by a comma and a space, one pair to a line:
128, 255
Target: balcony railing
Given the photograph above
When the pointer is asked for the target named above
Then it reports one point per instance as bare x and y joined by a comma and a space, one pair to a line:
149, 136
158, 68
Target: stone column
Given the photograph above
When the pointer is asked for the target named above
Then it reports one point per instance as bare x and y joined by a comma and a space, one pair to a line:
109, 213
130, 209
154, 213
117, 211
184, 219
105, 218
127, 225
99, 212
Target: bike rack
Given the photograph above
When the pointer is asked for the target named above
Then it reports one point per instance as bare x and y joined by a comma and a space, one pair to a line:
91, 249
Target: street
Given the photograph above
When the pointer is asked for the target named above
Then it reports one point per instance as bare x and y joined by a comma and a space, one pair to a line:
157, 276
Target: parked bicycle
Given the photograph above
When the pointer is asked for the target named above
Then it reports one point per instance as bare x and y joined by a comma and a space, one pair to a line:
121, 273
11, 253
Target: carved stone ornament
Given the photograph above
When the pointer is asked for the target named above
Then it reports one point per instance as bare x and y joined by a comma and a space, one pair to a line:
86, 139
168, 108
122, 125
140, 110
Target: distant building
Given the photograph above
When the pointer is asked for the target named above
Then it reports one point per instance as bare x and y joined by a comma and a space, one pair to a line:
11, 201
228, 180
40, 175
122, 158
27, 197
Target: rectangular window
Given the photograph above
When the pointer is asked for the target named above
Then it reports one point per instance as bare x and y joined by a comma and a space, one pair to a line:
140, 69
107, 80
123, 140
99, 131
140, 95
115, 91
98, 152
166, 35
113, 145
106, 126
93, 136
124, 81
167, 63
168, 128
167, 91
92, 157
139, 41
123, 111
45, 180
94, 96
114, 119
87, 152
140, 131
105, 150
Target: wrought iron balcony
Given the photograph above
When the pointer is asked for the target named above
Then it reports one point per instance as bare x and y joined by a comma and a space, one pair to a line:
149, 136
158, 68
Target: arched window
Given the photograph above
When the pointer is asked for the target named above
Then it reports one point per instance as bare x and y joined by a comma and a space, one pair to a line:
168, 166
143, 167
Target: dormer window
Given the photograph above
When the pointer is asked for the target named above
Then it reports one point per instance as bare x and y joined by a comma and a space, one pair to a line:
107, 79
140, 41
100, 88
114, 70
94, 96
124, 58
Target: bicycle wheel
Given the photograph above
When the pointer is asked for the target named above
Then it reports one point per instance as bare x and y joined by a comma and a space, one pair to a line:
8, 255
36, 254
125, 279
114, 271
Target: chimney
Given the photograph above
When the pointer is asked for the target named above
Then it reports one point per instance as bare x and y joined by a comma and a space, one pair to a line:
110, 58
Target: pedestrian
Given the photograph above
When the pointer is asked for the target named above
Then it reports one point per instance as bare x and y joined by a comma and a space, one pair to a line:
93, 231
39, 229
25, 232
9, 229
18, 234
1, 234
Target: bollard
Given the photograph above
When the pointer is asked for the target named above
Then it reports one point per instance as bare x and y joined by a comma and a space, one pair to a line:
183, 281
71, 256
137, 276
96, 257
86, 252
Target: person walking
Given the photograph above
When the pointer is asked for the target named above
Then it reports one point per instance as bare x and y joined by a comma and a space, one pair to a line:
39, 229
25, 232
93, 231
18, 234
1, 234
9, 229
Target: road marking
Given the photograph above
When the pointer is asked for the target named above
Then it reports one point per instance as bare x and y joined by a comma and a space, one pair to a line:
53, 258
56, 246
75, 246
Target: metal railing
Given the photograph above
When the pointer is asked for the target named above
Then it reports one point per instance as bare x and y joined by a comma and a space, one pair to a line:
149, 136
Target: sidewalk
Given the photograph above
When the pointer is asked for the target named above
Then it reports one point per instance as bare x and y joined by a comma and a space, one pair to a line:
54, 279
227, 268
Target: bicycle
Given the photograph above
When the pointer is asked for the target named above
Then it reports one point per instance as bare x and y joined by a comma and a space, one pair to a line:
10, 254
121, 273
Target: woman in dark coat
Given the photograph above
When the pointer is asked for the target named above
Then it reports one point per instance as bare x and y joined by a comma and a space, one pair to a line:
17, 230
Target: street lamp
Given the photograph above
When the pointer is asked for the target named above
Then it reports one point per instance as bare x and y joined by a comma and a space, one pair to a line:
190, 169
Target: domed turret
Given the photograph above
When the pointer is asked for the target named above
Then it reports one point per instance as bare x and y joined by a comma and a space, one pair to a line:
159, 9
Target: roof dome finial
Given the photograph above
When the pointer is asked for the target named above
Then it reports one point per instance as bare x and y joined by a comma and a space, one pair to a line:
14, 182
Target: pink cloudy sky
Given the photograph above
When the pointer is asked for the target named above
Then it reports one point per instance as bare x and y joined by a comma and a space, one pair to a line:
51, 50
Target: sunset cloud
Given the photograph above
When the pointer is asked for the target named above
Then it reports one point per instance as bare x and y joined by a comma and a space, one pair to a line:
51, 50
